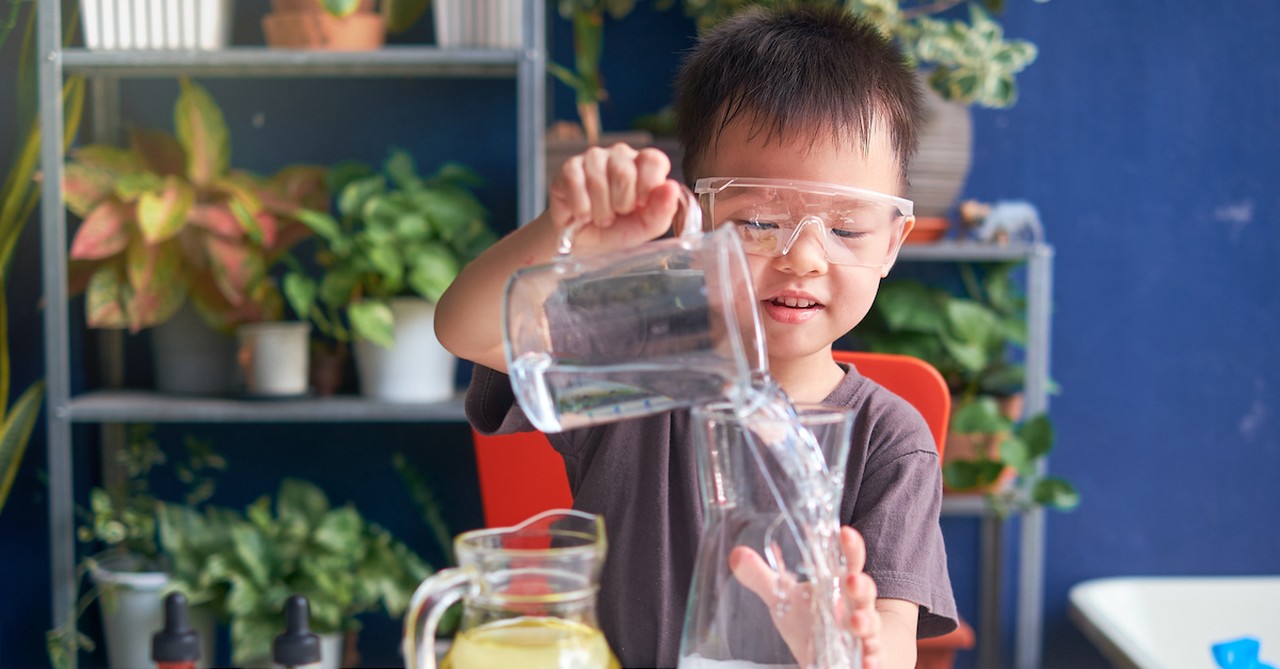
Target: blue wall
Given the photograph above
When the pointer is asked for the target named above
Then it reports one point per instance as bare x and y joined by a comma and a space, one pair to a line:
1146, 133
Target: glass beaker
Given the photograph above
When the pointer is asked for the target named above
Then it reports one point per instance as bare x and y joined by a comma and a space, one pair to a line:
528, 598
767, 501
598, 338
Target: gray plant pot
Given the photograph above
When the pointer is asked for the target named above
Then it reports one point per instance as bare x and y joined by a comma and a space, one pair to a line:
940, 167
190, 358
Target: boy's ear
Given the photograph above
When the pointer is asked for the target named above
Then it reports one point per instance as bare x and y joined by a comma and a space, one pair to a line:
907, 226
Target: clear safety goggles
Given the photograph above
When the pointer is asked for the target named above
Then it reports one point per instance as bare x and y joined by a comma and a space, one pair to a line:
856, 227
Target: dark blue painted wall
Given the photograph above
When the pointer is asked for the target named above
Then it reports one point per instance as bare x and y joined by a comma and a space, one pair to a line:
1148, 135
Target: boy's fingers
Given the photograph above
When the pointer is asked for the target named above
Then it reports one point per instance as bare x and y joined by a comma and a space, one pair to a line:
595, 168
753, 573
622, 178
652, 168
853, 548
569, 199
660, 207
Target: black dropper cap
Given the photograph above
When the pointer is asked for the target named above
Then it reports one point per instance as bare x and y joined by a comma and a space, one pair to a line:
297, 646
177, 642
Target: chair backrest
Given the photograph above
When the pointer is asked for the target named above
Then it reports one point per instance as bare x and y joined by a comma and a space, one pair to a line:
521, 475
912, 379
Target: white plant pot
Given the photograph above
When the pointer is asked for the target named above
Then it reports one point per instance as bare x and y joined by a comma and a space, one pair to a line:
940, 167
489, 24
156, 24
191, 358
417, 368
273, 358
133, 610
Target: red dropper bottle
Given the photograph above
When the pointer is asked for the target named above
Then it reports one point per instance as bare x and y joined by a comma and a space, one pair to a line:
177, 646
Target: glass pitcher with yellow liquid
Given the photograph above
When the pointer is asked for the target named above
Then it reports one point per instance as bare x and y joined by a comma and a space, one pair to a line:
528, 598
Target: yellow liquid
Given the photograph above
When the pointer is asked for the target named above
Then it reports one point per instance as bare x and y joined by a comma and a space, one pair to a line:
530, 643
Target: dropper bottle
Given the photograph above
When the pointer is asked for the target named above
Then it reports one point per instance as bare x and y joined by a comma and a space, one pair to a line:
177, 646
297, 646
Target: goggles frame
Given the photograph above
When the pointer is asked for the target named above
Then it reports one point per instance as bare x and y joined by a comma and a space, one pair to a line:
707, 187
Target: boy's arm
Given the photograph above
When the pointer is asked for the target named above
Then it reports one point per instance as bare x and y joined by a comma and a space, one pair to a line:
898, 632
469, 315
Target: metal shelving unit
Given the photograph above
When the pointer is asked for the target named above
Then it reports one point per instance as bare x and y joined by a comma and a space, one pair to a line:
525, 66
1029, 625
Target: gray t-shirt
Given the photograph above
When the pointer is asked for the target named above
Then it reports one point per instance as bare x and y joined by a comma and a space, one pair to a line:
640, 475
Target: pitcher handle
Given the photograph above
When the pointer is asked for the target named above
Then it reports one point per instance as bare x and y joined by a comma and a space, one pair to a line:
687, 222
433, 597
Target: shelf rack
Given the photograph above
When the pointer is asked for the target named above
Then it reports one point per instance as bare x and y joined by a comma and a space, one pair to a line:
526, 66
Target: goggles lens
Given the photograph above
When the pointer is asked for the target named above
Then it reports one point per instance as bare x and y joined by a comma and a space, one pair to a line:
856, 227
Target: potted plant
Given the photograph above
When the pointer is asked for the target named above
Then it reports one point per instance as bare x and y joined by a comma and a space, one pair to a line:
338, 25
132, 572
343, 564
970, 340
398, 242
168, 222
963, 60
485, 24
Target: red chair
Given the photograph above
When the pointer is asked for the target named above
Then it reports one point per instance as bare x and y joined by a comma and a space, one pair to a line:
521, 475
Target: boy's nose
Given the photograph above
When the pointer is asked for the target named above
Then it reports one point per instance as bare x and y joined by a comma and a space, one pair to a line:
806, 252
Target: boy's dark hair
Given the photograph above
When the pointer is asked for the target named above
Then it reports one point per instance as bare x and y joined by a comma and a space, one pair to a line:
806, 69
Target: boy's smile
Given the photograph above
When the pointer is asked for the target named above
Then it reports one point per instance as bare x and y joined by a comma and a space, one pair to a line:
806, 302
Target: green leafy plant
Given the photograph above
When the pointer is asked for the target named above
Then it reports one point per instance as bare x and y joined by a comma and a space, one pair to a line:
397, 233
167, 219
588, 17
972, 340
19, 195
123, 523
968, 61
343, 564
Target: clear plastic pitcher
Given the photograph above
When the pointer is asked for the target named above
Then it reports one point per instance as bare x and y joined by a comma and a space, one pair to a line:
598, 338
753, 465
528, 598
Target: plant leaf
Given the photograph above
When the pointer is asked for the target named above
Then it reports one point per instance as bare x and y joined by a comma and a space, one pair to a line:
155, 277
217, 219
300, 291
15, 433
434, 268
158, 152
301, 501
1056, 493
402, 14
980, 416
235, 268
1037, 433
202, 131
162, 214
84, 187
104, 302
373, 320
909, 305
103, 233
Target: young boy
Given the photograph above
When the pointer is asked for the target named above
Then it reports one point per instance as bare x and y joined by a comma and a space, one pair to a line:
800, 124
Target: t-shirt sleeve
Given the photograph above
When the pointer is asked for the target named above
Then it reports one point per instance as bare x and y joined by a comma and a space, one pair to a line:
896, 509
490, 404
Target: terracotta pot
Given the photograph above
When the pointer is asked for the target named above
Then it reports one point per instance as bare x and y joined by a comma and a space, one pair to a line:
928, 230
332, 369
363, 31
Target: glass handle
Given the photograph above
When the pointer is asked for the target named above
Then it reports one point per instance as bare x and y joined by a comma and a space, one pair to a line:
432, 598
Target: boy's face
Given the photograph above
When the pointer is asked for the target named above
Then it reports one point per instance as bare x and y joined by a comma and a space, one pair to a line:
806, 302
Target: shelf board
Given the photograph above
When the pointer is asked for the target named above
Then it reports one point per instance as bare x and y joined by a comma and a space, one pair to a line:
124, 406
964, 504
271, 62
967, 251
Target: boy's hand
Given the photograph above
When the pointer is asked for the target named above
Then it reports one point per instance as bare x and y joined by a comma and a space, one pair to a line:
857, 608
614, 197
